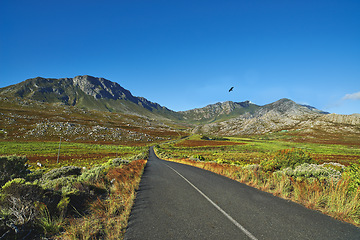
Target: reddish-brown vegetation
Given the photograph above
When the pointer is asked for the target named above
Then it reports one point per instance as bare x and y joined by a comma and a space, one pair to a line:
343, 159
200, 143
126, 173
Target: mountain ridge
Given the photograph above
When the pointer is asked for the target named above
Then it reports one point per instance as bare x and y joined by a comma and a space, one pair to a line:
76, 92
223, 118
86, 92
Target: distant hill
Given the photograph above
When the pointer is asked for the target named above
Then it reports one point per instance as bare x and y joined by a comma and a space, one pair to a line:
284, 115
86, 92
219, 111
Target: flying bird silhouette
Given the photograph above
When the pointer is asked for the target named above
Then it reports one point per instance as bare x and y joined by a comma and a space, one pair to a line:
231, 89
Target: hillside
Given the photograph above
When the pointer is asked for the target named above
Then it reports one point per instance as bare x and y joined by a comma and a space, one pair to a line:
86, 92
27, 119
288, 117
219, 111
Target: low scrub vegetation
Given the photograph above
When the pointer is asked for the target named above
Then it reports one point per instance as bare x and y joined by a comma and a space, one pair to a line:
243, 151
69, 202
329, 187
45, 154
288, 158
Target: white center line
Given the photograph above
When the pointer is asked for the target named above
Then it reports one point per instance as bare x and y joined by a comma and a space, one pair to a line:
217, 207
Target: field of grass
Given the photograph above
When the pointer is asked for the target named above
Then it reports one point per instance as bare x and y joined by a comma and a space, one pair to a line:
249, 151
75, 154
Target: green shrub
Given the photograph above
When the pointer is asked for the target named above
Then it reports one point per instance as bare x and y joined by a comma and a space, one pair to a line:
284, 159
93, 174
116, 162
63, 184
306, 170
18, 200
12, 167
48, 223
197, 157
140, 156
352, 173
220, 139
62, 172
35, 175
163, 155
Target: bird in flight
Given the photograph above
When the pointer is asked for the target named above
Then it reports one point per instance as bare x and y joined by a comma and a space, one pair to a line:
232, 88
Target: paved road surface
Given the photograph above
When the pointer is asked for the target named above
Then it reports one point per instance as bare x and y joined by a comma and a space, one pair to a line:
177, 201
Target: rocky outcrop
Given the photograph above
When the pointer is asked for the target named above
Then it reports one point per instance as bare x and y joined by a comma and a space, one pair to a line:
280, 115
101, 88
341, 119
219, 110
280, 120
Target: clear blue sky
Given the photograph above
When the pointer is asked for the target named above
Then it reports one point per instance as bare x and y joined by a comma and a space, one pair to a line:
187, 54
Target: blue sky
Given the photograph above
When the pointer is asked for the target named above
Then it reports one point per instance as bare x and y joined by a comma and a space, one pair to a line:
187, 54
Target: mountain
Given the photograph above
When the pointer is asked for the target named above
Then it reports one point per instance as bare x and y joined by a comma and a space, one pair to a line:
287, 116
86, 92
41, 105
219, 111
275, 116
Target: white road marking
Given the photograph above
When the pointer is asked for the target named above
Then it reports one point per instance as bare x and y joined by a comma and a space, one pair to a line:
217, 207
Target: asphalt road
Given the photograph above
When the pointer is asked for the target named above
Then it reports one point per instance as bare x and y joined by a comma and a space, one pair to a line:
177, 201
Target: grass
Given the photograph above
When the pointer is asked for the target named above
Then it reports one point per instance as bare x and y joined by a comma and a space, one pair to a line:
251, 150
75, 154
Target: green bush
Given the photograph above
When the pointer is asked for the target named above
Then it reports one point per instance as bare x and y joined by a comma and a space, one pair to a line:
21, 205
18, 199
116, 162
62, 172
12, 167
163, 155
63, 184
143, 155
220, 139
205, 138
93, 174
284, 159
352, 173
35, 175
197, 157
306, 170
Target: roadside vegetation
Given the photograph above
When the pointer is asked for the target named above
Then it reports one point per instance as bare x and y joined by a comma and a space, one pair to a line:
72, 199
323, 177
71, 154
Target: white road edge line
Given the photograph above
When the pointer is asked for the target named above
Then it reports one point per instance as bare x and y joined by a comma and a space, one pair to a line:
217, 207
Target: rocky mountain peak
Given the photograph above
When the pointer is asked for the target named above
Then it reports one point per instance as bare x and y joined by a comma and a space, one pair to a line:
101, 88
287, 107
86, 92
